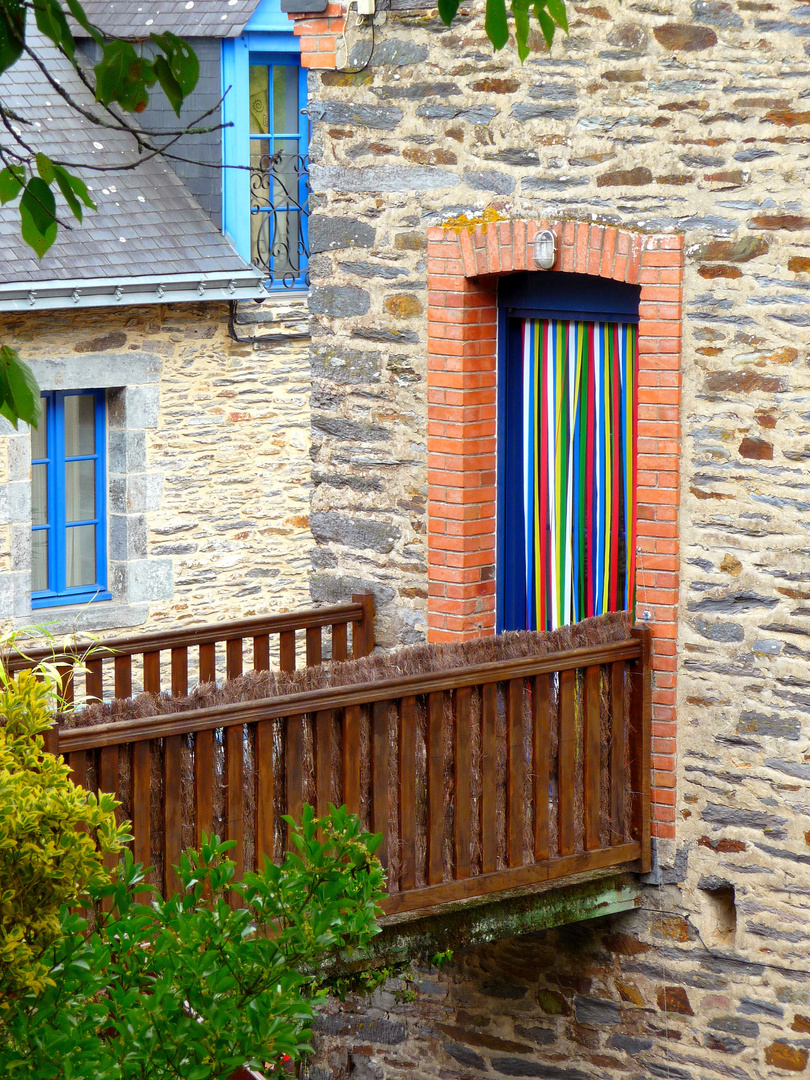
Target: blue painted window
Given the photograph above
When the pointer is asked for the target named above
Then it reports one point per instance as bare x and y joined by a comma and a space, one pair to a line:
68, 500
266, 175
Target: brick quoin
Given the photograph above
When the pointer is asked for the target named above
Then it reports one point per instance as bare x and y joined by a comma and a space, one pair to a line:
319, 34
463, 269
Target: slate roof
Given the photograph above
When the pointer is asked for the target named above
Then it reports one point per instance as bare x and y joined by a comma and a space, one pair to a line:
188, 18
147, 222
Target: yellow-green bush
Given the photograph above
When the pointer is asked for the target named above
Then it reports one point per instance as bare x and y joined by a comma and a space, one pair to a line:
53, 836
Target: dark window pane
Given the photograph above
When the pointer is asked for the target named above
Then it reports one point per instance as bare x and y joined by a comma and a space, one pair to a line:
80, 425
80, 490
39, 560
81, 556
39, 494
39, 437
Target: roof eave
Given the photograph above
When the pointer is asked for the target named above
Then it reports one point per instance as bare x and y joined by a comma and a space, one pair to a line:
124, 292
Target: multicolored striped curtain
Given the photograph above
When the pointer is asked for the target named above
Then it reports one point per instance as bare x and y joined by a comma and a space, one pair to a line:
579, 439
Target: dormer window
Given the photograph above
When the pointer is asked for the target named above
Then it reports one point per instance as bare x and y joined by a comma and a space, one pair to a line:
266, 173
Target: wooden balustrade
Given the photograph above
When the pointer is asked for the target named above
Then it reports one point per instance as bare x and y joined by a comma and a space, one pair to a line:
172, 660
481, 779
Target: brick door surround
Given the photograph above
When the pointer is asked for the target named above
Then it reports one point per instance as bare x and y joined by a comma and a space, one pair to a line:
464, 264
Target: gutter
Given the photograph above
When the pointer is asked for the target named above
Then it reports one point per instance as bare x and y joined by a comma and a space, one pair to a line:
132, 291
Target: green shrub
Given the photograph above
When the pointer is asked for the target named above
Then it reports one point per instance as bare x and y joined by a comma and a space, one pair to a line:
195, 986
53, 836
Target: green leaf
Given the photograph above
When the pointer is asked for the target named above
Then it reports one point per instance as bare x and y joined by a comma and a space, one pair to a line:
520, 12
71, 187
52, 23
556, 9
447, 10
38, 215
496, 24
170, 85
120, 77
12, 179
45, 168
181, 59
21, 398
12, 32
547, 24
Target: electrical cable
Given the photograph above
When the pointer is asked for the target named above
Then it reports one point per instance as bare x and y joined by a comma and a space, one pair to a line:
357, 70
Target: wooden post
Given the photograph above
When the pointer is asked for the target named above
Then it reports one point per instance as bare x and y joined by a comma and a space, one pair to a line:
363, 631
50, 739
641, 743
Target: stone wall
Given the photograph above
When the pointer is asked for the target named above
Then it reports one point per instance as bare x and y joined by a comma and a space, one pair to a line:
641, 995
208, 460
664, 118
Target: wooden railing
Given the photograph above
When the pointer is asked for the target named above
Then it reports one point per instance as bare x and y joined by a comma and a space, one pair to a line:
481, 779
162, 661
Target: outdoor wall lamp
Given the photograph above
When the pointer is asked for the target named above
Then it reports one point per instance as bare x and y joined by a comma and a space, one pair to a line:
545, 249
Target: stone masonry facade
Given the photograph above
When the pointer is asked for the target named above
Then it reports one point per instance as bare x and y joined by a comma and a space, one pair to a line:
665, 120
208, 462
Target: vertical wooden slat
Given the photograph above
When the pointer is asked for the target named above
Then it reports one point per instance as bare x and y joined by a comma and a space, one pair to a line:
286, 650
323, 761
407, 792
141, 802
591, 707
234, 800
618, 738
233, 658
640, 743
261, 653
515, 771
363, 631
123, 676
203, 785
50, 739
172, 812
340, 648
179, 672
94, 680
540, 765
435, 787
265, 790
313, 646
462, 771
108, 773
151, 672
566, 762
489, 777
77, 763
208, 663
379, 776
351, 758
294, 730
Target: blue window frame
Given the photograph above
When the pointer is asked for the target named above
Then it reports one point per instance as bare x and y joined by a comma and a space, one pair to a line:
265, 152
69, 500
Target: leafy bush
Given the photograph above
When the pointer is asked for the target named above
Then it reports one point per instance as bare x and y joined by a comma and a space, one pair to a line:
220, 975
53, 836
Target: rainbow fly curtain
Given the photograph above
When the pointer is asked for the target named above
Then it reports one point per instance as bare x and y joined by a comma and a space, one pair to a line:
579, 438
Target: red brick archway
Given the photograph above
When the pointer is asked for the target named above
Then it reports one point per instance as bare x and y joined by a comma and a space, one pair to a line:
464, 263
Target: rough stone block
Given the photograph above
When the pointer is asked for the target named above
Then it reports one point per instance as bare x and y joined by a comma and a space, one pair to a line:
150, 579
354, 532
339, 301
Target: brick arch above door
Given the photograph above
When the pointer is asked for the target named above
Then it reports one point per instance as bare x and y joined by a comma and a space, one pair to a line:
464, 264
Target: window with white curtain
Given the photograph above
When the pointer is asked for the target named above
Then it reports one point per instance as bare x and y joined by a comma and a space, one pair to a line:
69, 500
